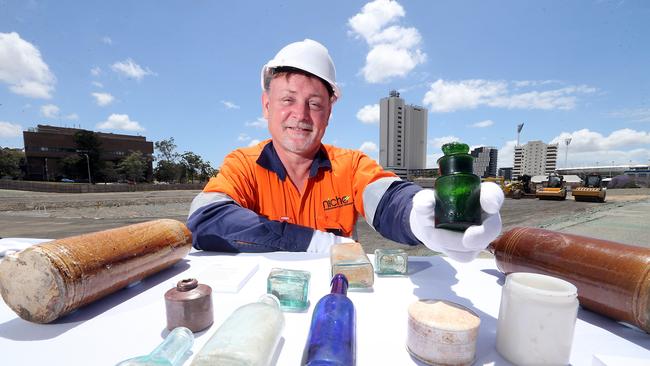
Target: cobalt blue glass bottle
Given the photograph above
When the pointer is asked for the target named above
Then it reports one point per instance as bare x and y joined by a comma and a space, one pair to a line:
332, 335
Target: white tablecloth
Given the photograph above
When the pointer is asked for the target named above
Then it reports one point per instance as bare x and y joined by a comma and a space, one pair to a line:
132, 321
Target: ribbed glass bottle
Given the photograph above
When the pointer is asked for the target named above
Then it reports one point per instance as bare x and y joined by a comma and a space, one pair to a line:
332, 335
248, 337
457, 189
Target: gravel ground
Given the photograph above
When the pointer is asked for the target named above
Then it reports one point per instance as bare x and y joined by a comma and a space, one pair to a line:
57, 215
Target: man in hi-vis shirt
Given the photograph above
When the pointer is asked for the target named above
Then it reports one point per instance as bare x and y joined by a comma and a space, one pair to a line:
293, 193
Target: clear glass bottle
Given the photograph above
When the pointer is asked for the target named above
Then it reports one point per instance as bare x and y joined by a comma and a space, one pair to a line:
169, 353
248, 337
332, 335
350, 260
457, 189
291, 287
391, 262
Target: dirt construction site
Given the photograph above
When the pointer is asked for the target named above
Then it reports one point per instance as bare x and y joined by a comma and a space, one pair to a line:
624, 217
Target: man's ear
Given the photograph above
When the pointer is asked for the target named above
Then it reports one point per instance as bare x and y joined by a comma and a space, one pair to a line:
265, 105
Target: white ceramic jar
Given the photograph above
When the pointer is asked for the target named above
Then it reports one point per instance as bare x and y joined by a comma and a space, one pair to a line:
537, 318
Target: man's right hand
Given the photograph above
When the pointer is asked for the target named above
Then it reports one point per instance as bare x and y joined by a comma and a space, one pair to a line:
321, 241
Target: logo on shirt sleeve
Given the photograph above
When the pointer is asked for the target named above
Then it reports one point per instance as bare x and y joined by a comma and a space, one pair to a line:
336, 202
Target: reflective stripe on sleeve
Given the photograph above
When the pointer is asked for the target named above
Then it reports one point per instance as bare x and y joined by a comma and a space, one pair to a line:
372, 194
206, 198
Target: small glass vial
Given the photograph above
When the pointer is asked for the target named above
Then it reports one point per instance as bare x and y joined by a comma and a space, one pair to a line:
537, 318
391, 262
248, 337
457, 189
291, 287
169, 353
350, 260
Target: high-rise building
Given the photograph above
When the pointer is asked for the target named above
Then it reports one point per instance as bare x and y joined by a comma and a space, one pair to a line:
485, 161
403, 135
535, 158
506, 173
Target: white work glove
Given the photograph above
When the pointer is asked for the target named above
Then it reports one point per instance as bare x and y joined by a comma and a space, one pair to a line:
321, 241
460, 246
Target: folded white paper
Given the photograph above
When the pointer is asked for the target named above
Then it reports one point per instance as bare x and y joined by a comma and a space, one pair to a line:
11, 245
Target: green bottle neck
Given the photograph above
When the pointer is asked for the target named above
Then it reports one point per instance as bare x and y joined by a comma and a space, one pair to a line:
456, 163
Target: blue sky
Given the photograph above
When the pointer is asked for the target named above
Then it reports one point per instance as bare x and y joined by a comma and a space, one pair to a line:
190, 70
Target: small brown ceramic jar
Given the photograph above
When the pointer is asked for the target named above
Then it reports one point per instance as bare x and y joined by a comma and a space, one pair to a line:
189, 305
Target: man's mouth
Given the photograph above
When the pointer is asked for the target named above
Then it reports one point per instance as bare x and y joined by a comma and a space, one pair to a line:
301, 127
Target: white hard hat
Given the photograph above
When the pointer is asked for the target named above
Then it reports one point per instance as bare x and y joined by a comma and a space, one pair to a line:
309, 56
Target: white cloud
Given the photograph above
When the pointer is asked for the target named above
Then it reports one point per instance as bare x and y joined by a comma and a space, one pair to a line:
131, 69
369, 147
96, 71
254, 142
260, 122
506, 154
23, 69
98, 84
107, 40
229, 105
103, 99
120, 122
8, 129
448, 96
483, 124
394, 50
437, 142
632, 115
243, 137
50, 111
369, 113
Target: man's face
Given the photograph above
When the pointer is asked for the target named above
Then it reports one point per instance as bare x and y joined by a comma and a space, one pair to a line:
297, 108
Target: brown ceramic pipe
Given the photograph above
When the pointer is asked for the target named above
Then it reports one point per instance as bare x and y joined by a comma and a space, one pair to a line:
46, 281
613, 279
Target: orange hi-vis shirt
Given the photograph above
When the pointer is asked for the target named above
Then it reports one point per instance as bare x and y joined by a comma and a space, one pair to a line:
332, 201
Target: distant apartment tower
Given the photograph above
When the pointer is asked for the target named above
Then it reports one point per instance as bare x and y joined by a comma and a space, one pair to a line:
485, 161
402, 135
506, 173
535, 158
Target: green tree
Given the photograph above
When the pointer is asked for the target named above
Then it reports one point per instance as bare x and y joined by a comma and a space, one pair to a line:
192, 163
89, 148
10, 162
109, 173
134, 166
168, 168
70, 166
166, 150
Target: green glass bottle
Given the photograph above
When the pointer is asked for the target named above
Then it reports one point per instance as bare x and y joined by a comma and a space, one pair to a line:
457, 189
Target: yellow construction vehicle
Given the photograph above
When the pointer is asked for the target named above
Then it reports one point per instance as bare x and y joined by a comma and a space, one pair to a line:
592, 190
520, 188
553, 189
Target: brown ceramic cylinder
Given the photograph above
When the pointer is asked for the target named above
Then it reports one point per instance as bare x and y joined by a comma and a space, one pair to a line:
189, 305
46, 281
613, 279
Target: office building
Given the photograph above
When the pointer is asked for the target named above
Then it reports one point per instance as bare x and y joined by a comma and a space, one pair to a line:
506, 173
535, 158
46, 147
402, 136
485, 161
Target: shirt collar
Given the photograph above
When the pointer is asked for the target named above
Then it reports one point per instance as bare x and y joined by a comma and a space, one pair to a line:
270, 160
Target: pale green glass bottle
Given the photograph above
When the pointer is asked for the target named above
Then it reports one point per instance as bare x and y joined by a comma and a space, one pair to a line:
350, 260
248, 337
291, 287
458, 189
169, 353
391, 262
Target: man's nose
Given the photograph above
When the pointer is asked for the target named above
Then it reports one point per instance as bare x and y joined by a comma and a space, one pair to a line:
300, 111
